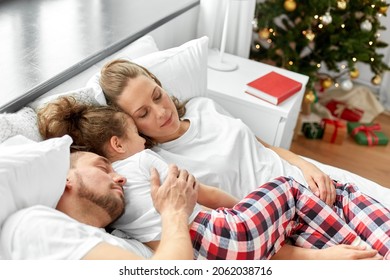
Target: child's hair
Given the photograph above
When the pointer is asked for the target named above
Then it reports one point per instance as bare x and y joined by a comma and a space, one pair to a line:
91, 127
116, 74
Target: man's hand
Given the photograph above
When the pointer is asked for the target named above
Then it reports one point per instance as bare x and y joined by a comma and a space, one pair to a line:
178, 193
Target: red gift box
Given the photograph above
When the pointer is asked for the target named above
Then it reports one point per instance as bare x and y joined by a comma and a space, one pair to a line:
344, 111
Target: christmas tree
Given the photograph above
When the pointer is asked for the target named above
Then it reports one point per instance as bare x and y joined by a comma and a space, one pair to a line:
323, 39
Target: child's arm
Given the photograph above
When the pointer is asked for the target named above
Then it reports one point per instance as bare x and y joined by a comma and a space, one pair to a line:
213, 197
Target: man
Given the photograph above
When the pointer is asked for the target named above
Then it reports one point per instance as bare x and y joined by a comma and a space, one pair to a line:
93, 198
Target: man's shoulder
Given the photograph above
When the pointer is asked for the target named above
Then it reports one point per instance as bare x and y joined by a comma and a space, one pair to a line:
32, 215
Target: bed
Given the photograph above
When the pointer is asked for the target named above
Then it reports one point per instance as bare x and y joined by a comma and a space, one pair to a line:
26, 159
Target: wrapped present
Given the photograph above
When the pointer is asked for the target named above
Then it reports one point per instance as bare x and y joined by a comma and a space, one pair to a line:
343, 111
369, 134
335, 131
312, 130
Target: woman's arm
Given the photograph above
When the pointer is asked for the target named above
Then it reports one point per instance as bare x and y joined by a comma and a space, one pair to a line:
320, 183
337, 252
213, 197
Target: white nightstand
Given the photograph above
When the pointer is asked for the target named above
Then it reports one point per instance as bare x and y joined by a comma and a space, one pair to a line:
273, 124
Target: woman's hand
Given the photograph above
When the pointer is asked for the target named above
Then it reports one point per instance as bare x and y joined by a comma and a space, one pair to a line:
336, 252
319, 182
348, 252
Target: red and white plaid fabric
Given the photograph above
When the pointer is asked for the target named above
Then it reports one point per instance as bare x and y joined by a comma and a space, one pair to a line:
366, 216
257, 227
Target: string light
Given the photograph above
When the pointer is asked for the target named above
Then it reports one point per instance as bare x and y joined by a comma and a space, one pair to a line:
342, 25
290, 63
354, 59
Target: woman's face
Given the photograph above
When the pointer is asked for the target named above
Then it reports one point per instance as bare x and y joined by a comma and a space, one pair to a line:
152, 110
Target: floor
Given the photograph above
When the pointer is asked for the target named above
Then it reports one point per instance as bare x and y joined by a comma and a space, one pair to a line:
370, 162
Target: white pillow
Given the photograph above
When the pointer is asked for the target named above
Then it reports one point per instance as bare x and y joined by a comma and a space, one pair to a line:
23, 122
32, 173
182, 70
140, 47
143, 46
84, 95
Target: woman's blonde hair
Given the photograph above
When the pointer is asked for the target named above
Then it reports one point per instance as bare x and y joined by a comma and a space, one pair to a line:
116, 74
91, 127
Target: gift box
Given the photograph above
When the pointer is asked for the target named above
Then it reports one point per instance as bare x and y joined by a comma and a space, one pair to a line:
312, 130
335, 131
343, 111
369, 134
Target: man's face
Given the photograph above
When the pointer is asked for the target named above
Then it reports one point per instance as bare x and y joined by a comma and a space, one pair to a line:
98, 184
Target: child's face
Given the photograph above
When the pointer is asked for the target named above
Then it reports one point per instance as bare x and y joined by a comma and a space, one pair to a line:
132, 141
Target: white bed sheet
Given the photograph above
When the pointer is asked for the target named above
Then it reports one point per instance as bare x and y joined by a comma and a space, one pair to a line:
368, 187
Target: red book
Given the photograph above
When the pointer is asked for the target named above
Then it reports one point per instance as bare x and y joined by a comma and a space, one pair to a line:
273, 87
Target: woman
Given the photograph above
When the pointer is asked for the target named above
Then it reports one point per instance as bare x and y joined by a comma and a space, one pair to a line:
234, 159
254, 228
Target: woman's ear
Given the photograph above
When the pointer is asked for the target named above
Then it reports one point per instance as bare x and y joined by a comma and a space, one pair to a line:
116, 144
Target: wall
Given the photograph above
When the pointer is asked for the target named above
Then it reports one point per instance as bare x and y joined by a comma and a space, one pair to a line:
48, 42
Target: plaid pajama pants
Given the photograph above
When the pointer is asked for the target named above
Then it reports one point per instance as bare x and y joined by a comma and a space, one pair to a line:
366, 216
258, 226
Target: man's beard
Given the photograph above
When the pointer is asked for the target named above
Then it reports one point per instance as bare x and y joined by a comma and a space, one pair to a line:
114, 206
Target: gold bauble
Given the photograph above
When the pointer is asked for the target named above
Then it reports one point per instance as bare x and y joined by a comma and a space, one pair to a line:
264, 33
342, 4
376, 80
309, 96
309, 35
327, 83
354, 73
290, 5
383, 10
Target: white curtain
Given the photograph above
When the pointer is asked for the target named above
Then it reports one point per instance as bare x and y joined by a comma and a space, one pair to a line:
239, 36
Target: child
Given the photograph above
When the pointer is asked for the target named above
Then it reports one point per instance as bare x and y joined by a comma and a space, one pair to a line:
254, 228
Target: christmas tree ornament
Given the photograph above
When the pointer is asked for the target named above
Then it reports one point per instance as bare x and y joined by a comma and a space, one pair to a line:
309, 34
326, 19
346, 84
366, 26
326, 83
309, 97
354, 73
255, 26
383, 10
376, 80
342, 4
264, 33
290, 5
